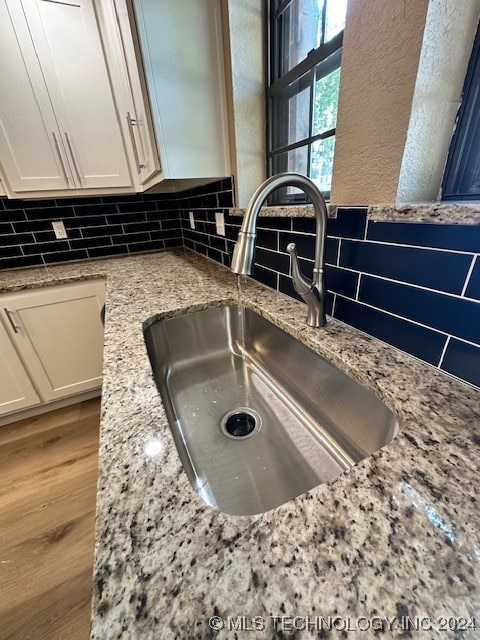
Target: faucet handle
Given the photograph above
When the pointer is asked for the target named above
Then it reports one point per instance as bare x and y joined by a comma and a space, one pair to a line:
302, 284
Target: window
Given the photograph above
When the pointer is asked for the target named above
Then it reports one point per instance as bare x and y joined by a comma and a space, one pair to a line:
305, 48
462, 174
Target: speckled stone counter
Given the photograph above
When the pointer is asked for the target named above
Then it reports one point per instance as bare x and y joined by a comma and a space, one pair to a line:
290, 211
436, 212
433, 212
397, 535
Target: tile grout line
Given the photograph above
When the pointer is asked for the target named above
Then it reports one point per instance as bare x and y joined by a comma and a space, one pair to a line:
469, 342
334, 304
445, 346
467, 279
358, 286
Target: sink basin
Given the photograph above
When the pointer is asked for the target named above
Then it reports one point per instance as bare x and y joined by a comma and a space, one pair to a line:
258, 418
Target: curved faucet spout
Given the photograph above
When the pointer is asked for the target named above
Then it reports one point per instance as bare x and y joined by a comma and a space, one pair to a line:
314, 291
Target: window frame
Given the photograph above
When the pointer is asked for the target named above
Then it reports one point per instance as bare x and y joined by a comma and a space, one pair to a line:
326, 58
462, 139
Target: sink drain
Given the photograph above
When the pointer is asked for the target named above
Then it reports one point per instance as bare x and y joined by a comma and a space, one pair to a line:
241, 423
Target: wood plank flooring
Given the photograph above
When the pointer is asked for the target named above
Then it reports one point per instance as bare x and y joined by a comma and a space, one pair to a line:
48, 478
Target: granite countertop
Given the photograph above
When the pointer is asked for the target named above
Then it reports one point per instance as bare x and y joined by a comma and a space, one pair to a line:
429, 212
397, 535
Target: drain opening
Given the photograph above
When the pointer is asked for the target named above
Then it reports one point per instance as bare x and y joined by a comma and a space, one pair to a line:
241, 423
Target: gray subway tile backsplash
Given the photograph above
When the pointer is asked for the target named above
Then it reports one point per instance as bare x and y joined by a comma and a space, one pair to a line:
415, 286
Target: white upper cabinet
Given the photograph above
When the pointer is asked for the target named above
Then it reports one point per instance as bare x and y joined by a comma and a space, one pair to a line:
182, 48
129, 89
111, 96
59, 127
31, 151
67, 41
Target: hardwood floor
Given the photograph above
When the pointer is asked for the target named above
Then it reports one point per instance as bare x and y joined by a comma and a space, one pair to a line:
48, 477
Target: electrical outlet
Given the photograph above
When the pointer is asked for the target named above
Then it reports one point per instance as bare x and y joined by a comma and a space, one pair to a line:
220, 223
192, 219
59, 229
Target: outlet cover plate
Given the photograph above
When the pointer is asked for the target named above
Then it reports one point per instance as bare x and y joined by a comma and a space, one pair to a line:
220, 223
59, 229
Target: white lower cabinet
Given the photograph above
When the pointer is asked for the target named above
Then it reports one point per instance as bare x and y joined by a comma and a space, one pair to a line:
16, 390
58, 334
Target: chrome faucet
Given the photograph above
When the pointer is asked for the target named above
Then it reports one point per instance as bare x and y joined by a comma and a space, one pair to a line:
312, 291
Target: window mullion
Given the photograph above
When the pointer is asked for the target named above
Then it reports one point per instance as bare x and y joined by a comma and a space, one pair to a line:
310, 120
302, 143
324, 21
314, 57
292, 99
281, 8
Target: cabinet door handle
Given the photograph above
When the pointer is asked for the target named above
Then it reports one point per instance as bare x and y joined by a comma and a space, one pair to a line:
130, 122
11, 318
64, 169
75, 164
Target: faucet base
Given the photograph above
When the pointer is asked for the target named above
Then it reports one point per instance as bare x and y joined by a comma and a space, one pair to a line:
316, 308
316, 321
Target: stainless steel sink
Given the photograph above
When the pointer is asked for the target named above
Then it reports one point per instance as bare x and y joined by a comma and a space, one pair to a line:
258, 418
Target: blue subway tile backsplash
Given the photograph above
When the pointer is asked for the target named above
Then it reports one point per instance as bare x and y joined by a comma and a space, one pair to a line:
415, 286
473, 288
341, 281
96, 227
418, 341
268, 239
349, 223
266, 276
272, 260
441, 236
406, 284
439, 270
452, 315
462, 360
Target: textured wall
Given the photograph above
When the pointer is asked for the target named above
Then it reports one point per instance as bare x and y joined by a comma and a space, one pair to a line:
380, 60
448, 41
248, 84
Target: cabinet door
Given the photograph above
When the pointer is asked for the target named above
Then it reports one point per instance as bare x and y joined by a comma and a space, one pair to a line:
67, 41
129, 87
16, 390
60, 336
183, 58
31, 151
